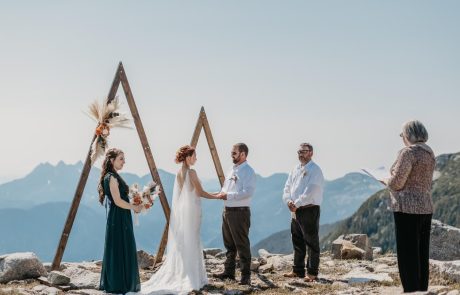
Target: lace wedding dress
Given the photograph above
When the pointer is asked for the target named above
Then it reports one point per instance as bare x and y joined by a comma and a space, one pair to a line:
183, 270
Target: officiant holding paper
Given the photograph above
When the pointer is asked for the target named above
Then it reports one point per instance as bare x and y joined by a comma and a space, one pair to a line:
410, 189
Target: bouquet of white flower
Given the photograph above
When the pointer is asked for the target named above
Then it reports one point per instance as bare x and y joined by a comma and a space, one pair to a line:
146, 197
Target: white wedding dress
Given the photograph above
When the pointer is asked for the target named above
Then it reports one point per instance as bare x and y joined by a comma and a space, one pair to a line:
183, 270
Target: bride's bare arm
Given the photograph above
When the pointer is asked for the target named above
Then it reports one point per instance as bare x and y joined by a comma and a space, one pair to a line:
199, 189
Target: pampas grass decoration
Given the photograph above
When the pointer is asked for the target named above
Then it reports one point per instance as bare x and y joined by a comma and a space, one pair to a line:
107, 116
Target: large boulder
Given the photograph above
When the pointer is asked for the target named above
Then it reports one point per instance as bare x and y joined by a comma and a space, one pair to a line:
20, 266
445, 241
352, 246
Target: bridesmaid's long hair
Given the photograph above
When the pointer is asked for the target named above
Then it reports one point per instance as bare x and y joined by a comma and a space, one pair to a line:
107, 167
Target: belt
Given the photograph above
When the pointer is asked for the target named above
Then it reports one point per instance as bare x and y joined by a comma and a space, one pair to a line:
236, 208
307, 206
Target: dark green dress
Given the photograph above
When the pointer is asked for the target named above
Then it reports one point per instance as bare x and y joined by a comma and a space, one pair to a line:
120, 273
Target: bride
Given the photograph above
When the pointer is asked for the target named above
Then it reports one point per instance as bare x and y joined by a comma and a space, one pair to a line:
183, 269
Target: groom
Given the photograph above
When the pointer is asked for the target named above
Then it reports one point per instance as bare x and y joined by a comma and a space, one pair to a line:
239, 186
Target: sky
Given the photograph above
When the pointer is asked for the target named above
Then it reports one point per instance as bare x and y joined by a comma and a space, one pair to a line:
342, 75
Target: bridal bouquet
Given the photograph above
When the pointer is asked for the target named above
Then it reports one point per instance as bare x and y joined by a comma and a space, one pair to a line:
146, 197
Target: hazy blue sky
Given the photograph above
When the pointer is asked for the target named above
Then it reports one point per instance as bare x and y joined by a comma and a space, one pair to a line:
343, 75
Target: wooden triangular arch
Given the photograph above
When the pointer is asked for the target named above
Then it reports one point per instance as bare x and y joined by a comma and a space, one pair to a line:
120, 77
202, 123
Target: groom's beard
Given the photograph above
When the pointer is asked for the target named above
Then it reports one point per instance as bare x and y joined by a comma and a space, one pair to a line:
236, 160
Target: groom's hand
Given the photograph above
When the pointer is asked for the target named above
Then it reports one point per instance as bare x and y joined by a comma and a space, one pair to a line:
223, 196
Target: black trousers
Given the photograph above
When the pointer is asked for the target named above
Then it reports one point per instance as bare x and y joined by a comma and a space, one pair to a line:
235, 230
413, 248
305, 234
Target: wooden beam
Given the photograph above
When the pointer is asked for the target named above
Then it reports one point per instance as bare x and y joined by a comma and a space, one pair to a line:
80, 188
149, 158
120, 77
202, 123
197, 131
212, 147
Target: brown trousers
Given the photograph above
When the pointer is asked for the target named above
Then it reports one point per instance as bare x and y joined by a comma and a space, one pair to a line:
236, 222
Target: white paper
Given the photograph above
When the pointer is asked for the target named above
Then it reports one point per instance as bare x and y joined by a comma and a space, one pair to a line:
378, 174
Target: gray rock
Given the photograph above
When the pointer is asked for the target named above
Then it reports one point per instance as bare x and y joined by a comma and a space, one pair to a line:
350, 251
342, 247
213, 261
47, 266
58, 278
376, 251
448, 269
264, 253
50, 291
212, 251
281, 262
266, 268
444, 241
144, 259
220, 255
255, 265
39, 288
361, 275
82, 278
20, 266
86, 292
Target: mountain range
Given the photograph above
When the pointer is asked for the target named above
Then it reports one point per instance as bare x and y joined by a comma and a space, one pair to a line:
33, 210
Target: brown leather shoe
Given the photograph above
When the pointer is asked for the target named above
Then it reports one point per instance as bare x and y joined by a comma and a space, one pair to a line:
310, 278
292, 275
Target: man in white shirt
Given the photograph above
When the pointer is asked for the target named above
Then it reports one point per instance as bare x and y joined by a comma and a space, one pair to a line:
238, 188
303, 194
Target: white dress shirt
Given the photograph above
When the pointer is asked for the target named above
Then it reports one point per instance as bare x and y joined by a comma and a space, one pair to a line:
240, 184
304, 185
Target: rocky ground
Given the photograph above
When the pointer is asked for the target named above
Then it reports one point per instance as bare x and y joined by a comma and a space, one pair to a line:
379, 276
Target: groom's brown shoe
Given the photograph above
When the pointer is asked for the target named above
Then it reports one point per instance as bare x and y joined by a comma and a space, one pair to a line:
223, 276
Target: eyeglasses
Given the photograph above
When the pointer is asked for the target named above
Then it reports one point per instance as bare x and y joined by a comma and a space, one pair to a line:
303, 151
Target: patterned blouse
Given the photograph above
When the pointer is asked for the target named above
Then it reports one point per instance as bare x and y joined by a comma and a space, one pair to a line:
411, 180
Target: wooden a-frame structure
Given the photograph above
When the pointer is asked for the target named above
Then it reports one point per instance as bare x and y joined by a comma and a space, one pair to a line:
120, 77
202, 123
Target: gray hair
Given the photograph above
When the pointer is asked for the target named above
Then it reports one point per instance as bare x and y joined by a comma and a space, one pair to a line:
414, 132
308, 145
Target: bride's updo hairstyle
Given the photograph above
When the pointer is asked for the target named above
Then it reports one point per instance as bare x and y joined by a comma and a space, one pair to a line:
183, 153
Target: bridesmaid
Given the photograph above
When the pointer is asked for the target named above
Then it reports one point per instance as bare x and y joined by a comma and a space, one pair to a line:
120, 272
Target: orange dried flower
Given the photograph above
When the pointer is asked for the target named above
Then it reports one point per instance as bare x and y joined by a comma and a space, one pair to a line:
102, 129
